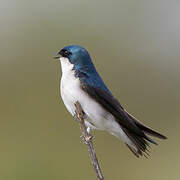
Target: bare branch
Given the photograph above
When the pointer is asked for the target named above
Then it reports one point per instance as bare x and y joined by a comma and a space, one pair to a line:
87, 138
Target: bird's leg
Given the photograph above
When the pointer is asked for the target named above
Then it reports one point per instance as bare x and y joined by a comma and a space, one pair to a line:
88, 138
88, 130
78, 116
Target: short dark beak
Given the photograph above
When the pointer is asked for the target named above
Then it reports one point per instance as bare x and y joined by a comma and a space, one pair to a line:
57, 56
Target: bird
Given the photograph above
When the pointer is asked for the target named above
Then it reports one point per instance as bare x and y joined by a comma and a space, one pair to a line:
81, 82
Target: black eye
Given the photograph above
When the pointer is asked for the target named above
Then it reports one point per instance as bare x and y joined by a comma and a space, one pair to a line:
65, 53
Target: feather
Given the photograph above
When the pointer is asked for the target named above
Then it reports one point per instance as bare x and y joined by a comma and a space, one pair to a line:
133, 128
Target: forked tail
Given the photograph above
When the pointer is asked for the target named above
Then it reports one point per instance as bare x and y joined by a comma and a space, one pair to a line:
141, 142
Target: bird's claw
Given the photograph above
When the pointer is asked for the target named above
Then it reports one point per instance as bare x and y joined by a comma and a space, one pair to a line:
87, 139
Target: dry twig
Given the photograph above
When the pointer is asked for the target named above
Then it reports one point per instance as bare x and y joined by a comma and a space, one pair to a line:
87, 138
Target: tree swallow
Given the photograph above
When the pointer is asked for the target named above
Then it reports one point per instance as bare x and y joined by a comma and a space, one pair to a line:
81, 82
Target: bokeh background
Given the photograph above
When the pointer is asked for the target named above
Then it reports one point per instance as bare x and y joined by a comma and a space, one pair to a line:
135, 46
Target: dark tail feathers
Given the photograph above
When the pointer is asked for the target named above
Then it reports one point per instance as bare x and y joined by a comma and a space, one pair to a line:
146, 129
141, 142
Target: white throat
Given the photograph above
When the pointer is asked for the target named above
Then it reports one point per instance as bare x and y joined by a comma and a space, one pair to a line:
66, 66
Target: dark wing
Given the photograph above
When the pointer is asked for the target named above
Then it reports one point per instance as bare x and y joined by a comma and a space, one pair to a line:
133, 128
112, 105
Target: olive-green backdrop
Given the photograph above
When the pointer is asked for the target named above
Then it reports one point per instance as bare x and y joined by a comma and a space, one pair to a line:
135, 46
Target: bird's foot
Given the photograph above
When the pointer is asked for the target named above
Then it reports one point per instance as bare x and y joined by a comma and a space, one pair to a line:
87, 139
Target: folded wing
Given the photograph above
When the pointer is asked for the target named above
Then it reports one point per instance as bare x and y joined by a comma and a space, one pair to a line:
136, 131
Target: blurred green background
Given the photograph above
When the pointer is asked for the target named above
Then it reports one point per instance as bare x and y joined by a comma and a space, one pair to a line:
135, 46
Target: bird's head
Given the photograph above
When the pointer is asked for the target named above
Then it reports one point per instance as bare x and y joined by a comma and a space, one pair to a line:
75, 55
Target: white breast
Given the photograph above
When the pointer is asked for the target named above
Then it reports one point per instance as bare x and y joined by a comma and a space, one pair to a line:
72, 92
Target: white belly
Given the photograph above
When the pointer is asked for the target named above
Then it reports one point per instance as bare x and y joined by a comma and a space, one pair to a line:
96, 115
72, 92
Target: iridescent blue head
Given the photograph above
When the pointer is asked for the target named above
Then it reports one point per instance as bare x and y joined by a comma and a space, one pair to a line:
77, 55
77, 58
